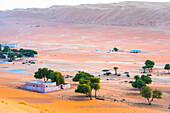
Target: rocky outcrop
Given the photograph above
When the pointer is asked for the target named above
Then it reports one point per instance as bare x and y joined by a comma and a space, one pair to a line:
122, 14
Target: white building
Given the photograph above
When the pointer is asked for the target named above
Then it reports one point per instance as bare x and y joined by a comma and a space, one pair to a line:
11, 45
47, 86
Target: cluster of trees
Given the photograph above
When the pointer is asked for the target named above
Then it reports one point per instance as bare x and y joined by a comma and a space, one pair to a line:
87, 83
14, 52
145, 91
49, 74
148, 65
28, 52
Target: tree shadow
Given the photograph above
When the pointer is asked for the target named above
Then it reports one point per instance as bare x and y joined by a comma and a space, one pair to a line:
147, 105
133, 89
79, 98
134, 94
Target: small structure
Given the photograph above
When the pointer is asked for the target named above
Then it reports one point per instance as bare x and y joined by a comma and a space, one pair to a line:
11, 45
44, 86
135, 51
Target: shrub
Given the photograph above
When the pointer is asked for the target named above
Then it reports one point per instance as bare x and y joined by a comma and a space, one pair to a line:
131, 82
118, 74
123, 99
149, 75
128, 75
108, 73
32, 62
22, 102
23, 62
9, 60
115, 49
46, 109
3, 101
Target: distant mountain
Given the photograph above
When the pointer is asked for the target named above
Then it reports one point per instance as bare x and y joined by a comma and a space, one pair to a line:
121, 14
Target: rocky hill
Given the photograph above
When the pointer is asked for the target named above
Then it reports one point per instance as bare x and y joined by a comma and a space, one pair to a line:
121, 14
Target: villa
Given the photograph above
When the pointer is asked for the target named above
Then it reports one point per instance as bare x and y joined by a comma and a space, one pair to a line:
44, 86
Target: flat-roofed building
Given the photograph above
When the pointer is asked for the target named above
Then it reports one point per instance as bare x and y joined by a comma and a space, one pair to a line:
44, 86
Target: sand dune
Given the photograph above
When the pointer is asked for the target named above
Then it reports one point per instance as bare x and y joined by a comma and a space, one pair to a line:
121, 14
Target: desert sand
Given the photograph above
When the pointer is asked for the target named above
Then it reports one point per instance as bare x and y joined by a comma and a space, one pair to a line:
70, 48
35, 102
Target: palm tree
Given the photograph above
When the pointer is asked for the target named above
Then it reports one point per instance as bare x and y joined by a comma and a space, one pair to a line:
115, 68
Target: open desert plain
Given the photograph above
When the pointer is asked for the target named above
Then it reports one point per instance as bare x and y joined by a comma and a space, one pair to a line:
69, 39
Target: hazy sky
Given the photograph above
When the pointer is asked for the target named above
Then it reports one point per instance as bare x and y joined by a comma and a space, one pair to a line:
11, 4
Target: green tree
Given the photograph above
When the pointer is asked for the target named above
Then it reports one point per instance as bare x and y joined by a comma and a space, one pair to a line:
167, 67
139, 83
41, 73
94, 83
0, 47
81, 74
149, 64
144, 69
57, 77
96, 87
6, 49
146, 79
11, 56
20, 55
115, 68
48, 76
150, 67
1, 54
85, 89
136, 77
90, 81
147, 93
84, 81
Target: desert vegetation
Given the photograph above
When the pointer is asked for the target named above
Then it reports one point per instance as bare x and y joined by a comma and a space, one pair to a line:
87, 83
167, 67
145, 91
6, 52
150, 95
148, 65
47, 74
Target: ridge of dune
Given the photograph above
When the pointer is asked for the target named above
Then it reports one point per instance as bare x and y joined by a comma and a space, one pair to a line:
7, 106
119, 14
